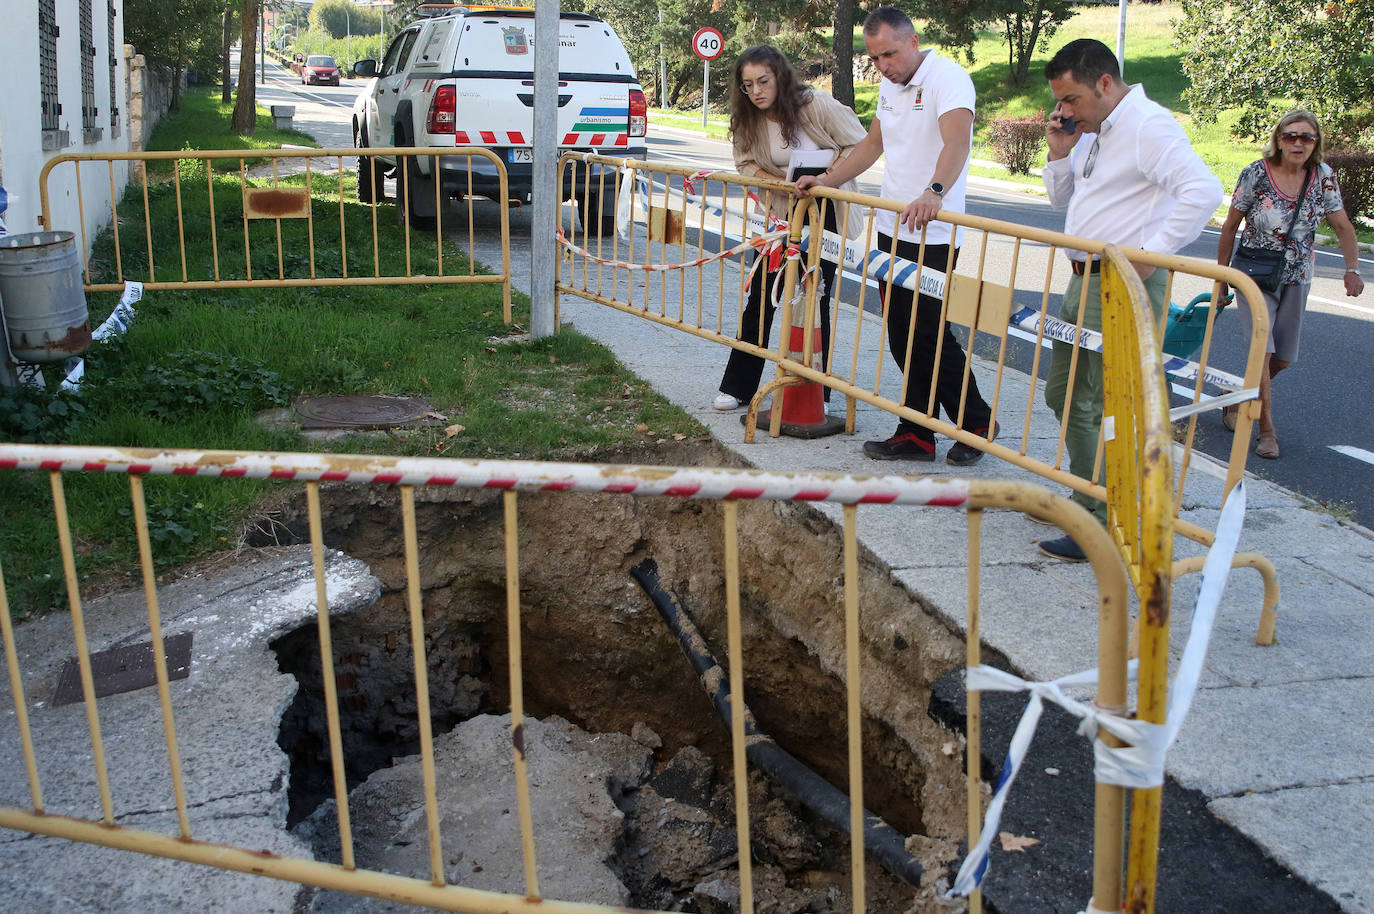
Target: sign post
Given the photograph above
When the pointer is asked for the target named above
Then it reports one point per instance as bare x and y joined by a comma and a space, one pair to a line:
708, 44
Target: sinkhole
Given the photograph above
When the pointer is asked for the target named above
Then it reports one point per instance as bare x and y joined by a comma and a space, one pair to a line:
599, 659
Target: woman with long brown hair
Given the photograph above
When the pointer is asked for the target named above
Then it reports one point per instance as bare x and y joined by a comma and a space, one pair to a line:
772, 114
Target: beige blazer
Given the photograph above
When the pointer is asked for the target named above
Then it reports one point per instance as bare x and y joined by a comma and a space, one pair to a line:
831, 125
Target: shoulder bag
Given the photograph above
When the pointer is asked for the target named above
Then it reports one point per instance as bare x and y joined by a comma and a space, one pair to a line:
1262, 265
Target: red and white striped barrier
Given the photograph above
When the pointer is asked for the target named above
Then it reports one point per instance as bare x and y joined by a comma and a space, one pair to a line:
530, 476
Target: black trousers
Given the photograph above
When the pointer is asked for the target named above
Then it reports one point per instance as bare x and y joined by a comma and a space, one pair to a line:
744, 370
949, 374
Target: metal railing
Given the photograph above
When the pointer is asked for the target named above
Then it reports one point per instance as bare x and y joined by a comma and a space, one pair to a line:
856, 494
270, 218
678, 227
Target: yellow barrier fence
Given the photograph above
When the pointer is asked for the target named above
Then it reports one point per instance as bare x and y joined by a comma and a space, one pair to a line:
332, 476
677, 228
269, 218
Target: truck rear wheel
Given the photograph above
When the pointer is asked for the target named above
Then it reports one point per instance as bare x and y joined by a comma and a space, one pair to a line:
415, 196
371, 174
600, 214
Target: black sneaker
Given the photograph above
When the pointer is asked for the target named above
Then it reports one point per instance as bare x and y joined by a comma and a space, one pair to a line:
962, 455
901, 446
1063, 548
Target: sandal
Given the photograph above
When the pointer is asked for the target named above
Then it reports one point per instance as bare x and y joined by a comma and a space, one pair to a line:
1267, 446
1228, 416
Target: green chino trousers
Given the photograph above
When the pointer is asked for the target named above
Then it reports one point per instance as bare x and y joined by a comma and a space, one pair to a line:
1084, 403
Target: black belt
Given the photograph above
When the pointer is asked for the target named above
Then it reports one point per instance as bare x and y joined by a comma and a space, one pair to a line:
1089, 266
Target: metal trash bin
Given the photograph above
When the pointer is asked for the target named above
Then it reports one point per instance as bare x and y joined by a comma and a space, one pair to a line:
282, 115
42, 296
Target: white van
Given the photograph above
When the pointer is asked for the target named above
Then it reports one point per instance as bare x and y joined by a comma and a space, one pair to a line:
466, 78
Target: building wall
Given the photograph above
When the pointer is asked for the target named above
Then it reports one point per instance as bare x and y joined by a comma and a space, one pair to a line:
22, 140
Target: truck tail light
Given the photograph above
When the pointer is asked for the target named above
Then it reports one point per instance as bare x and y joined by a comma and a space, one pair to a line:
443, 110
639, 113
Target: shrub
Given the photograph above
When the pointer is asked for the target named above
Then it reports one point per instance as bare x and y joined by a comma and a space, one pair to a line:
1354, 170
1016, 141
32, 414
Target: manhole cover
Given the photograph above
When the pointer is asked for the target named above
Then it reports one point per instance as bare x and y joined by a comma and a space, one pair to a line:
364, 412
124, 669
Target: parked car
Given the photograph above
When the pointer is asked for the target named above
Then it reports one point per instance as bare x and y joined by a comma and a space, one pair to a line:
320, 69
466, 78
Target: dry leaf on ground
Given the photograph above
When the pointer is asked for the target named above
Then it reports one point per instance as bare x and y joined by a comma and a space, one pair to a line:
1017, 843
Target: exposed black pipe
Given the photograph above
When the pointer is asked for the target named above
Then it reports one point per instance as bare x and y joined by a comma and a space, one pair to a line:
883, 842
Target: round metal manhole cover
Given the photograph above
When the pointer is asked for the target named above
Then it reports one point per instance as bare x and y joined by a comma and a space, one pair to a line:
365, 412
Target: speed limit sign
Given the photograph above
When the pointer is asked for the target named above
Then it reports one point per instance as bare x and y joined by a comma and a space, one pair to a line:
708, 43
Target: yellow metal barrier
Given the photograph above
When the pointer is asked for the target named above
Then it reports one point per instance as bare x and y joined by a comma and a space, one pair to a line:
1138, 451
267, 218
678, 227
513, 479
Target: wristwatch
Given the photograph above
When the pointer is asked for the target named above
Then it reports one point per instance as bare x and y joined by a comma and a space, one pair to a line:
936, 188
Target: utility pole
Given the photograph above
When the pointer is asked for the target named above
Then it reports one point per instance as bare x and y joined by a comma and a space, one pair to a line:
543, 255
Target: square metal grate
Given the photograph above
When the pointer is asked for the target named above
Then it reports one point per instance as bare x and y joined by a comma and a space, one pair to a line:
124, 669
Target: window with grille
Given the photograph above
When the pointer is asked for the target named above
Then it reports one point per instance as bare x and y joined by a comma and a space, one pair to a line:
89, 112
116, 53
47, 64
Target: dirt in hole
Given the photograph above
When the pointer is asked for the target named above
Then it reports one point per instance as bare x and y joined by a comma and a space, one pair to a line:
596, 653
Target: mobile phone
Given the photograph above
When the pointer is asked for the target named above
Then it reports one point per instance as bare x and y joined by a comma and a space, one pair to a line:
1067, 125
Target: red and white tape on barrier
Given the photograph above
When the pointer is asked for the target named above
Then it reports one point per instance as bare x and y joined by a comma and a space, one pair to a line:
760, 242
532, 476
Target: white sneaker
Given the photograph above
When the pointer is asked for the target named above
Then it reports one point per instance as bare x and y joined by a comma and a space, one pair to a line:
725, 403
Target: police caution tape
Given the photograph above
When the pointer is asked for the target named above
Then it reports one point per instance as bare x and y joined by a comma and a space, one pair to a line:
855, 255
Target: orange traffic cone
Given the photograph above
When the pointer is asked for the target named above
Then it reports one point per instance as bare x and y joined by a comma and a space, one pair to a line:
803, 402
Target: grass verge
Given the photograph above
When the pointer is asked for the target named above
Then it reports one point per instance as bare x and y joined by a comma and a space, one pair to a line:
196, 367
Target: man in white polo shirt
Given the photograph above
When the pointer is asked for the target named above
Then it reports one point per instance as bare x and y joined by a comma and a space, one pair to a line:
924, 125
1123, 169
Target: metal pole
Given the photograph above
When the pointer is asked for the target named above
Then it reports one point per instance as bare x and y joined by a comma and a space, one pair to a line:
348, 38
546, 189
262, 51
705, 89
662, 69
1121, 39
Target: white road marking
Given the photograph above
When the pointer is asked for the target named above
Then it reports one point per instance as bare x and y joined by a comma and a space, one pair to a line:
1358, 453
1327, 304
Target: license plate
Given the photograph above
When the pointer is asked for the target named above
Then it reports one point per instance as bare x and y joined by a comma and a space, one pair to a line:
522, 154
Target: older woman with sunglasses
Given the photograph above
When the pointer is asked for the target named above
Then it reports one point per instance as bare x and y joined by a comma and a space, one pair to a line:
773, 113
1290, 176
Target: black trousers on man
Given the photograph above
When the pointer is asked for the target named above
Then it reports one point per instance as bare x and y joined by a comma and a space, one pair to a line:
949, 376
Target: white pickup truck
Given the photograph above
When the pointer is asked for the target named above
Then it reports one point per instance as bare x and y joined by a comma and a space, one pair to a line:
466, 78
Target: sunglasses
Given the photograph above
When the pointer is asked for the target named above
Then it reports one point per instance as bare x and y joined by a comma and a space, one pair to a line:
1292, 137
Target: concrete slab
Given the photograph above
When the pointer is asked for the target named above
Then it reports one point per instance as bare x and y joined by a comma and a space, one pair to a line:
574, 779
1325, 631
227, 711
1238, 740
1320, 831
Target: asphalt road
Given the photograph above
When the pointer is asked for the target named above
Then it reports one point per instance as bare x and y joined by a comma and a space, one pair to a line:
1326, 439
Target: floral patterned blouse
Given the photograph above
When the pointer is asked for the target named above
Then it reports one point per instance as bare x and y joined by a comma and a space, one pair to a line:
1268, 211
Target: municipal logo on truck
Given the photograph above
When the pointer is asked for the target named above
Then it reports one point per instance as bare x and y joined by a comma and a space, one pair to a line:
516, 43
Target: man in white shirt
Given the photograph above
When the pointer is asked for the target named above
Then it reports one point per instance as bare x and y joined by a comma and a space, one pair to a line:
924, 125
1123, 169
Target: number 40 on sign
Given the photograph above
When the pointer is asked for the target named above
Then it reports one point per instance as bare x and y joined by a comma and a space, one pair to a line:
708, 44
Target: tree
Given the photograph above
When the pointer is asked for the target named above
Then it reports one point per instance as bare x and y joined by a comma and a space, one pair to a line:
226, 40
1256, 55
842, 78
245, 117
342, 17
180, 34
1026, 26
